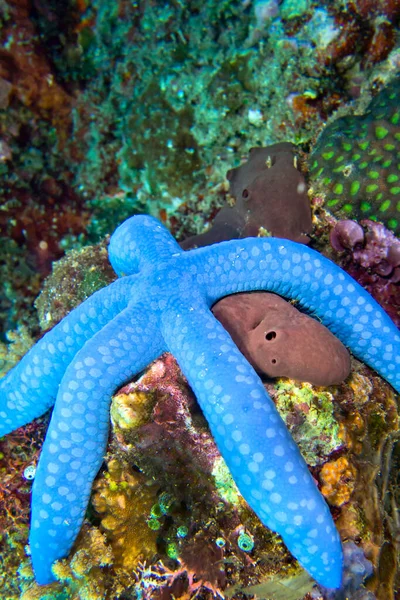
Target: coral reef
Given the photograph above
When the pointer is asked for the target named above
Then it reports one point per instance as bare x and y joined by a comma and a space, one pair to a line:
91, 132
110, 109
19, 452
170, 442
159, 435
41, 212
124, 501
354, 163
105, 316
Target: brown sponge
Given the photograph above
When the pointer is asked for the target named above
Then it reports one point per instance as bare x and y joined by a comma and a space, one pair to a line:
280, 341
270, 193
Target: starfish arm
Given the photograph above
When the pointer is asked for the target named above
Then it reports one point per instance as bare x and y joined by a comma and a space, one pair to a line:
76, 440
321, 287
30, 388
259, 451
139, 242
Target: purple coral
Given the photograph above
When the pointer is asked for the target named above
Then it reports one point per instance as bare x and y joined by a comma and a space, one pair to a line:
346, 235
371, 254
356, 569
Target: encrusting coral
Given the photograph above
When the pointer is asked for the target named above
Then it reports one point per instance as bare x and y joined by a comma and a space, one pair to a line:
123, 499
309, 413
207, 539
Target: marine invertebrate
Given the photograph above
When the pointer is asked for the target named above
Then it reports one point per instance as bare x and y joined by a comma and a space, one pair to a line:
270, 193
355, 162
162, 304
280, 341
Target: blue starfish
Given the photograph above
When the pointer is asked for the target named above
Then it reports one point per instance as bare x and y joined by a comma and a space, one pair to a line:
163, 304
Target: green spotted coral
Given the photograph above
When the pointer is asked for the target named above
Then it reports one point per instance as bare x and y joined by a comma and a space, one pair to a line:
356, 162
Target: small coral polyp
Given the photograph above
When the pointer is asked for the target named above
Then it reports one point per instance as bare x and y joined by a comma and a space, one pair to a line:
163, 304
356, 162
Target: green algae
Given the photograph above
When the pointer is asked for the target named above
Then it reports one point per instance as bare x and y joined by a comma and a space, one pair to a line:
224, 483
308, 412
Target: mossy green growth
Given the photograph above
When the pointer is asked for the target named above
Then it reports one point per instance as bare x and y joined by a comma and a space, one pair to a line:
225, 485
356, 162
293, 9
308, 413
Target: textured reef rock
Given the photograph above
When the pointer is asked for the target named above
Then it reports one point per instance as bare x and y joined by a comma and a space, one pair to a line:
111, 108
74, 278
355, 163
41, 212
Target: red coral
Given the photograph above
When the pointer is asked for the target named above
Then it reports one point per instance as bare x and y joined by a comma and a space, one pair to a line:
25, 66
377, 8
18, 450
40, 220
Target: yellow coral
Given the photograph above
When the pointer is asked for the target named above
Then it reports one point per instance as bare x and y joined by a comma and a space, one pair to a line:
131, 409
361, 386
338, 479
124, 500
